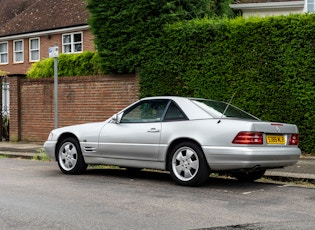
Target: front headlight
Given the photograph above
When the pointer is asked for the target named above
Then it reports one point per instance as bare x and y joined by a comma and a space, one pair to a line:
50, 137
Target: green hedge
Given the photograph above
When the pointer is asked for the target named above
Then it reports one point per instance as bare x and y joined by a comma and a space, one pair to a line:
123, 29
84, 64
268, 62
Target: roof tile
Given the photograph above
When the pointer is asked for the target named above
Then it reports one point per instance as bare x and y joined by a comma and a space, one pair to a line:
41, 15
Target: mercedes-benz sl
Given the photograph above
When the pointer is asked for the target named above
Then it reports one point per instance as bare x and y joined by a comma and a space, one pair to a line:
189, 137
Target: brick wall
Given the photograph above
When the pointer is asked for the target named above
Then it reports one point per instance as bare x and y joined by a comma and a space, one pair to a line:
14, 107
81, 100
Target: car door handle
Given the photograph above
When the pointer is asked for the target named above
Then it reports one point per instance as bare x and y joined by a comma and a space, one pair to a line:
153, 130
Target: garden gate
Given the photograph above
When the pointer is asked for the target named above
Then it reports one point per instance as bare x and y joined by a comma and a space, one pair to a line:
5, 113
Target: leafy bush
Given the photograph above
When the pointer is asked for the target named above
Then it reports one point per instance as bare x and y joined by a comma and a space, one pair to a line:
41, 69
268, 62
84, 64
5, 126
124, 29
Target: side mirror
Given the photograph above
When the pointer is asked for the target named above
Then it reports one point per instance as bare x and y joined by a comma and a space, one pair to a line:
117, 118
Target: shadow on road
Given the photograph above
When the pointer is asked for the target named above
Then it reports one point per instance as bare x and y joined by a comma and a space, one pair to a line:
215, 181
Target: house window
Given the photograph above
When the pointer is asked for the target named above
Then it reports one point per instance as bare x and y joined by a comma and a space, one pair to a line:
18, 47
4, 53
310, 5
34, 49
72, 43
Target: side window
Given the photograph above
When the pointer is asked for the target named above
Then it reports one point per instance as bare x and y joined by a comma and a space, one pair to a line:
34, 49
4, 53
18, 51
174, 113
310, 5
72, 43
146, 111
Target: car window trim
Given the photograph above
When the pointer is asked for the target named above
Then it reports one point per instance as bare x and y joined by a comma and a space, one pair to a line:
146, 101
178, 107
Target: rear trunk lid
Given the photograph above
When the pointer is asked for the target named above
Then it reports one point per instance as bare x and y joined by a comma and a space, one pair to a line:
274, 127
277, 134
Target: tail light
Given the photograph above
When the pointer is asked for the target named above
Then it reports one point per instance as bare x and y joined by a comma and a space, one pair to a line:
249, 138
294, 139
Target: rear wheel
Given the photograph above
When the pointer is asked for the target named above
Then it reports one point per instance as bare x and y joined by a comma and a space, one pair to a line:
69, 156
188, 165
249, 176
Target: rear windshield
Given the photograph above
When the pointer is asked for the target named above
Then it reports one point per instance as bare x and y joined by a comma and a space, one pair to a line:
219, 109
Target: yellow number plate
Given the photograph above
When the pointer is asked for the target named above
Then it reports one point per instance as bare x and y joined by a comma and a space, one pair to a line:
275, 139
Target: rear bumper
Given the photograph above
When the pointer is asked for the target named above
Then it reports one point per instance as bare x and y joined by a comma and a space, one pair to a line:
234, 158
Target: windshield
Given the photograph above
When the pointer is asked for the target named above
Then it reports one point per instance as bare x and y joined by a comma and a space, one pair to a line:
219, 109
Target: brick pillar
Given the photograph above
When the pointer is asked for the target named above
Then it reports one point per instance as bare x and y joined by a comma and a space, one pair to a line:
15, 106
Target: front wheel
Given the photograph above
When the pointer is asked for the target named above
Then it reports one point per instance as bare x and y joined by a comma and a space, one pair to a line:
69, 156
188, 165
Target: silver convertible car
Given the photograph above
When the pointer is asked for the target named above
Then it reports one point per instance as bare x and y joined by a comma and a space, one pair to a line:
189, 137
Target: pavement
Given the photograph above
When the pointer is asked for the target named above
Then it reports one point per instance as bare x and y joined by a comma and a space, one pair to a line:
304, 169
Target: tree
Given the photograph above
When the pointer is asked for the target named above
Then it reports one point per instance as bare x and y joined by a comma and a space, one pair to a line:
125, 29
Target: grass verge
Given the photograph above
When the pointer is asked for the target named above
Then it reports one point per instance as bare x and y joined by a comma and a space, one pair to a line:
308, 183
41, 155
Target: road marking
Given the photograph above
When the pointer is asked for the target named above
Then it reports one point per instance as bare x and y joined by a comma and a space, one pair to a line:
17, 169
285, 185
250, 192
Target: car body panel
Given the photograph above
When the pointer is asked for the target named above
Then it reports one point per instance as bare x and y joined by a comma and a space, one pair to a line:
131, 141
231, 158
87, 135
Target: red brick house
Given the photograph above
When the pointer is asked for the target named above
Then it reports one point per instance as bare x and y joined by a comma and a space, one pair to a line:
29, 27
272, 7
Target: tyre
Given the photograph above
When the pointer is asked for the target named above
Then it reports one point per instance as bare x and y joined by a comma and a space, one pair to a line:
188, 165
69, 156
249, 176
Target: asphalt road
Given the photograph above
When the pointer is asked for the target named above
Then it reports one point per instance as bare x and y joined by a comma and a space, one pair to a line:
35, 195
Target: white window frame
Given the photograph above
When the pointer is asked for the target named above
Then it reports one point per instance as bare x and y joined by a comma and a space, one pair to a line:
32, 50
72, 44
4, 53
15, 52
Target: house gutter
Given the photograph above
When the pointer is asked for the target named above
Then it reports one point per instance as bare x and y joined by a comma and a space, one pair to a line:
44, 33
268, 5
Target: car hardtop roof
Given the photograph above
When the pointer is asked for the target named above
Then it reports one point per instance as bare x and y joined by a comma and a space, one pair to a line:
174, 98
162, 97
192, 110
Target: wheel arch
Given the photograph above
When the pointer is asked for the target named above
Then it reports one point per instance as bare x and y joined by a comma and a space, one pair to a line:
62, 137
176, 142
